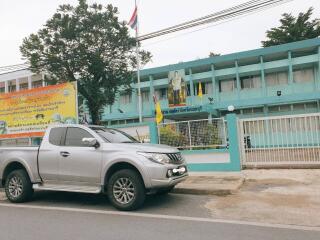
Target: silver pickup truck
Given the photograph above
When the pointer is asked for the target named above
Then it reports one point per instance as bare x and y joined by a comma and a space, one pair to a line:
91, 159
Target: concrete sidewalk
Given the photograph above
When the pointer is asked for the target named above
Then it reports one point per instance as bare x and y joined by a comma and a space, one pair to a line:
283, 196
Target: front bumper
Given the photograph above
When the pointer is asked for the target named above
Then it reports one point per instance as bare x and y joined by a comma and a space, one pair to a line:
162, 183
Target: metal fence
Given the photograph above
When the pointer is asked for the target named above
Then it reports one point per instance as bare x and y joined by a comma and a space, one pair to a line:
194, 134
292, 140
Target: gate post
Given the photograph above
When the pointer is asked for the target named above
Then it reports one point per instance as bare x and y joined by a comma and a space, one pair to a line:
154, 138
233, 141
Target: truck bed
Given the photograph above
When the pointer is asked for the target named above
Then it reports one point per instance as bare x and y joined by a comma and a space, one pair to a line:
27, 155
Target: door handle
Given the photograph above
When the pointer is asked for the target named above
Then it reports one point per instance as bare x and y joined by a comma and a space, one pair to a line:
64, 154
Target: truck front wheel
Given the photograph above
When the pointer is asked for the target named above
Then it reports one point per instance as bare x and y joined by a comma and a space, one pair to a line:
18, 186
126, 190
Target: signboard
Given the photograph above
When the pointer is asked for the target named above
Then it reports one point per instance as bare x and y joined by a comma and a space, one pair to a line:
27, 113
182, 110
177, 88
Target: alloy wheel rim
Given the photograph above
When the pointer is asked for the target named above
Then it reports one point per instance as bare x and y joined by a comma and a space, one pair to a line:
15, 187
123, 190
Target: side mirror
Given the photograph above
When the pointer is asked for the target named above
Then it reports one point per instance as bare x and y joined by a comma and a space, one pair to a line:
90, 142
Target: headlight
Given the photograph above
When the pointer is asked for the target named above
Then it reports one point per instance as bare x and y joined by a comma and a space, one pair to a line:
156, 157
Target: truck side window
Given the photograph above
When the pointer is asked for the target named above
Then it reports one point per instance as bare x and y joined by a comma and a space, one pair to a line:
56, 135
74, 137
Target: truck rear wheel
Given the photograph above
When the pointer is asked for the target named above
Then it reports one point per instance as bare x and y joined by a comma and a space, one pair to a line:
126, 190
18, 186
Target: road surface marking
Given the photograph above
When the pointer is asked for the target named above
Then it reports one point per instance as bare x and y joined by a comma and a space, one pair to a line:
160, 216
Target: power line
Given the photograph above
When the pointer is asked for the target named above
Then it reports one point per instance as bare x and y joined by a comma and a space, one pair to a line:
212, 17
232, 12
218, 16
211, 25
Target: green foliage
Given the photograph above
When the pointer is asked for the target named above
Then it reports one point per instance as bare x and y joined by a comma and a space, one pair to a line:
293, 29
213, 54
170, 137
88, 44
203, 135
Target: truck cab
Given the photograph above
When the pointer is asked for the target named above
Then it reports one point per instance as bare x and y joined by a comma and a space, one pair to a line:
91, 159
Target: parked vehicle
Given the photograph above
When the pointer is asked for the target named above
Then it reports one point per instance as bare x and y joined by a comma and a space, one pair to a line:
91, 159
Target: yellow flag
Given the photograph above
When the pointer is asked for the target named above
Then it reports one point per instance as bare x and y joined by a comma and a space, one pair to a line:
200, 90
159, 115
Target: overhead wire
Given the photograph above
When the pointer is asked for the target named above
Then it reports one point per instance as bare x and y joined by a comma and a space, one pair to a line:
211, 25
221, 15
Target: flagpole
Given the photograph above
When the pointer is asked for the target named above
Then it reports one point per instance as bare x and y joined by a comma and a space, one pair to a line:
138, 66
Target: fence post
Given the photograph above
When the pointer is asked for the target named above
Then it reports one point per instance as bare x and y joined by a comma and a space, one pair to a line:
233, 141
153, 132
190, 141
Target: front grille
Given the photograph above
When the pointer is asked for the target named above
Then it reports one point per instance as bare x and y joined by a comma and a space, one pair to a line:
176, 158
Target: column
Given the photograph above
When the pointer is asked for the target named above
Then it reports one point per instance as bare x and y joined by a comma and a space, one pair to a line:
17, 85
234, 148
237, 79
29, 82
263, 80
213, 80
118, 99
151, 90
191, 85
6, 88
43, 82
317, 77
135, 99
210, 118
290, 76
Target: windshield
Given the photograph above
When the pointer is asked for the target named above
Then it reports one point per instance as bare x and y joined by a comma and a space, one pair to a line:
114, 135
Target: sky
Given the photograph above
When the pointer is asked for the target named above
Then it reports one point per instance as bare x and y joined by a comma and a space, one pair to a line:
19, 18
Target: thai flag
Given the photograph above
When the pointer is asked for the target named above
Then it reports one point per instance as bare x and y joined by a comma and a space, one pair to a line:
134, 19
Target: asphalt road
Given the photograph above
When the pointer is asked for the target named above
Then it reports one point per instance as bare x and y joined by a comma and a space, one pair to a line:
80, 216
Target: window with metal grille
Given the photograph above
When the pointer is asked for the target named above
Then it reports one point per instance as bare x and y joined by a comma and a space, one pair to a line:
276, 78
145, 96
249, 82
228, 85
161, 93
303, 75
125, 98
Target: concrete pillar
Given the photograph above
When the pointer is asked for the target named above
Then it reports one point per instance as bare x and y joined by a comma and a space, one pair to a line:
6, 87
17, 85
29, 82
263, 80
234, 149
317, 75
153, 129
290, 75
210, 118
238, 79
213, 80
43, 82
151, 89
191, 86
134, 98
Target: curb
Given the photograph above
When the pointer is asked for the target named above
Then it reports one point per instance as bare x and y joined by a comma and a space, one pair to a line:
200, 189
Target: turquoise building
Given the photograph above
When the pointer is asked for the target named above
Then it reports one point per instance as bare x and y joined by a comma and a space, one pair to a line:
278, 80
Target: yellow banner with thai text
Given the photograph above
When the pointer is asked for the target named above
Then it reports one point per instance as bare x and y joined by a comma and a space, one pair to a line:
28, 113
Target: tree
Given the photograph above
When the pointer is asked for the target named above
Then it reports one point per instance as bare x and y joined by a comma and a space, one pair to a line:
213, 54
293, 29
87, 44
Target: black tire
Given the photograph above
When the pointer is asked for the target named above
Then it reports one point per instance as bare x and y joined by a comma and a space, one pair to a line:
20, 177
164, 191
134, 185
